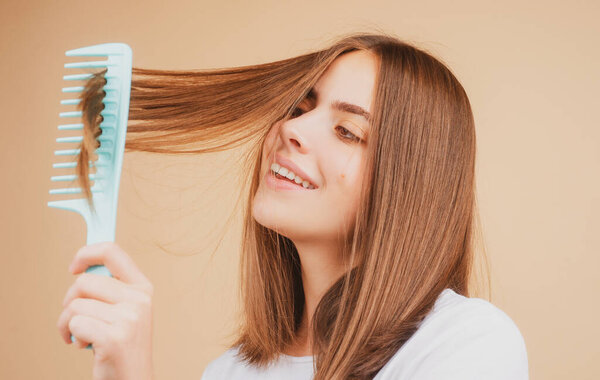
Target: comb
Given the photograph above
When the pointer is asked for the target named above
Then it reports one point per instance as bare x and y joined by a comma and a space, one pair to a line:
101, 220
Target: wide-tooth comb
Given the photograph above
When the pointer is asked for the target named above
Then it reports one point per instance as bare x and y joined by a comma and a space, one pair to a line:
101, 224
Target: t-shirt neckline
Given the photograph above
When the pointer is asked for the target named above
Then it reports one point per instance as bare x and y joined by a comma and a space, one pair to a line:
299, 359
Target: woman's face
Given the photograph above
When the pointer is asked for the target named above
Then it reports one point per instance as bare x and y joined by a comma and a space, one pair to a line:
328, 145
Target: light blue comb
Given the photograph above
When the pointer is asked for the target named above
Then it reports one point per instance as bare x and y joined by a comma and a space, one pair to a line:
101, 224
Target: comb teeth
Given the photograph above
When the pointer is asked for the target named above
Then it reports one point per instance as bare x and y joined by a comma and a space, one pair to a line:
73, 89
116, 59
76, 139
73, 164
72, 177
72, 190
78, 76
71, 126
67, 165
70, 101
67, 152
88, 64
101, 50
74, 152
105, 143
71, 114
69, 139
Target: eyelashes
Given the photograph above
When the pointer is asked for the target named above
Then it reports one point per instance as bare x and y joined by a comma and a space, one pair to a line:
352, 138
345, 135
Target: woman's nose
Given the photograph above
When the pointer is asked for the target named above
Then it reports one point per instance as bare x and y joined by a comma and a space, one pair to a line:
298, 133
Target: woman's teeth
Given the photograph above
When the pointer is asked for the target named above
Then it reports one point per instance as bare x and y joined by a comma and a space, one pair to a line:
291, 176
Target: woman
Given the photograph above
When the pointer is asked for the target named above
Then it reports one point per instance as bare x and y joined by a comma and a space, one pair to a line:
355, 266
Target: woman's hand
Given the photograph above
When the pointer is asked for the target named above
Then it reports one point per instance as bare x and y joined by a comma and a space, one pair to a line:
114, 314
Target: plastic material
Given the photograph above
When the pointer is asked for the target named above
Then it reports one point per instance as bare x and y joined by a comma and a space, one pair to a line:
105, 191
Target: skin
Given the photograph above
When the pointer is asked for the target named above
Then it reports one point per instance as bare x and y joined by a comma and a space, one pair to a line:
316, 220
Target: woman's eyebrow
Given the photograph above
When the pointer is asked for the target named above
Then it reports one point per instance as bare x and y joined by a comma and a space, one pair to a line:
341, 106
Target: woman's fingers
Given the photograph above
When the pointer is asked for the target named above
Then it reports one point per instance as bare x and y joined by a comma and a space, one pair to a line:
116, 260
87, 330
87, 307
102, 288
111, 315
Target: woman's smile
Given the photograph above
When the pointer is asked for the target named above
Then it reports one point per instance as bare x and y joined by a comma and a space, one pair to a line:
278, 182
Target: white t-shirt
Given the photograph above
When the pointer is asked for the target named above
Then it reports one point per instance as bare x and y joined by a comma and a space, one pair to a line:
461, 338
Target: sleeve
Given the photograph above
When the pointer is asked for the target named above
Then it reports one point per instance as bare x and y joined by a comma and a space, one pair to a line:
487, 347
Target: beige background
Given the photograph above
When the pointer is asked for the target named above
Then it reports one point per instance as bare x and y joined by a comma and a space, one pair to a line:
531, 70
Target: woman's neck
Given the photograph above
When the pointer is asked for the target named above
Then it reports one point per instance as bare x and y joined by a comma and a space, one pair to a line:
301, 346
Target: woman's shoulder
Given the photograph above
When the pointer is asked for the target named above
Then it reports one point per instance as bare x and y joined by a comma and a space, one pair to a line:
222, 361
226, 365
214, 365
460, 312
461, 338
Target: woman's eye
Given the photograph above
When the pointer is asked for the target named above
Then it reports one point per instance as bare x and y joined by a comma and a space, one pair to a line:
347, 134
295, 112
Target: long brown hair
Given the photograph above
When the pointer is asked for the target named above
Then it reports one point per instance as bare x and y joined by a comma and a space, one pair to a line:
414, 234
